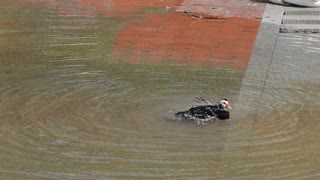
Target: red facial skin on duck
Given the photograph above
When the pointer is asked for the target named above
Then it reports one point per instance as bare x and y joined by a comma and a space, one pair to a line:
226, 105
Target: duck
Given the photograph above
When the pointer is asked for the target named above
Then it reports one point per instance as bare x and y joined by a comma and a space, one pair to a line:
207, 110
305, 3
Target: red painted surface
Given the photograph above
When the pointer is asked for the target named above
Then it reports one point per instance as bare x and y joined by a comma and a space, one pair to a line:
174, 36
179, 38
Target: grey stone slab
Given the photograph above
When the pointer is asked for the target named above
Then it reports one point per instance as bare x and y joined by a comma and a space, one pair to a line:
301, 50
283, 66
305, 28
301, 11
279, 97
297, 17
300, 20
262, 53
272, 14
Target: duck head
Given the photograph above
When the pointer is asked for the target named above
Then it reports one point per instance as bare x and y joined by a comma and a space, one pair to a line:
224, 104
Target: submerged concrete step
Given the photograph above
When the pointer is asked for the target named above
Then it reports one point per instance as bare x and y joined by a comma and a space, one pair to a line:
302, 28
301, 20
297, 17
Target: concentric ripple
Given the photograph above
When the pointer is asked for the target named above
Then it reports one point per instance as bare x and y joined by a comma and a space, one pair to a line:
68, 112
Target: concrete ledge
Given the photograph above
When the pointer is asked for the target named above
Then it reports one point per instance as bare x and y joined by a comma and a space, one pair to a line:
281, 64
261, 55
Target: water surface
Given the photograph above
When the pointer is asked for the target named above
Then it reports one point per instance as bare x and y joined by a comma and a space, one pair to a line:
67, 110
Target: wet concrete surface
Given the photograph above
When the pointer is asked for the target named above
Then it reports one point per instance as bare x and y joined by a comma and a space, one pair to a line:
283, 63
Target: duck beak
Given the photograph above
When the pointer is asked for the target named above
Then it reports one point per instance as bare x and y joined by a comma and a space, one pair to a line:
228, 107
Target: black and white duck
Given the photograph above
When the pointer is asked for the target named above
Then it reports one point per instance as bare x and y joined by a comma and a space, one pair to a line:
206, 111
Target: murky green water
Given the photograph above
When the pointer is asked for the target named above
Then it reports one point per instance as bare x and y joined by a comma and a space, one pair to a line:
67, 111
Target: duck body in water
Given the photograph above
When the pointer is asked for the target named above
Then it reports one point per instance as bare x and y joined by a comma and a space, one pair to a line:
207, 111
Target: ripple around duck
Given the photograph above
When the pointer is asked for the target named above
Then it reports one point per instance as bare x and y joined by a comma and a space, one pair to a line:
280, 144
63, 117
68, 130
83, 121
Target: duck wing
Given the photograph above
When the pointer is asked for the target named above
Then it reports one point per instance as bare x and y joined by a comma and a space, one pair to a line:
202, 100
203, 112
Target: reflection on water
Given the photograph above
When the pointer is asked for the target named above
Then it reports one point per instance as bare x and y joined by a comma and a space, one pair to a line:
67, 111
